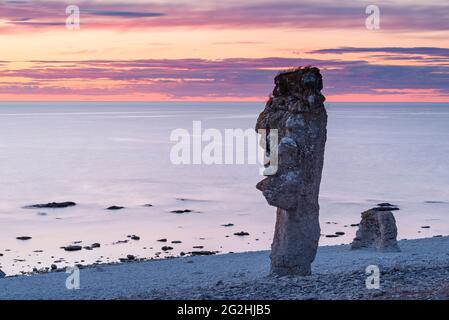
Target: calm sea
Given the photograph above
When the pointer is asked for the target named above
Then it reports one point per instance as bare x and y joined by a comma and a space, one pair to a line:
104, 154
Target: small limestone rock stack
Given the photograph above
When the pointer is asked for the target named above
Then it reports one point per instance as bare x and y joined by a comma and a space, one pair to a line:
296, 109
377, 230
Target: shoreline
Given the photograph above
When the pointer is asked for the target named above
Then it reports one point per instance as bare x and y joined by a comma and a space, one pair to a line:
338, 273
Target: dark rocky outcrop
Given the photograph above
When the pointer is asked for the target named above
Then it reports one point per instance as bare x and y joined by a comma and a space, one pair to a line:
73, 248
296, 109
23, 238
115, 208
202, 253
52, 205
181, 211
241, 234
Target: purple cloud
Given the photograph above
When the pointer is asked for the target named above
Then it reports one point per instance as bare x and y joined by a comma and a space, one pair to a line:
431, 51
293, 14
237, 77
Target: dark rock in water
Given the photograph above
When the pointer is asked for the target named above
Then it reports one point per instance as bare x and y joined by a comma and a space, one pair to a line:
241, 234
88, 248
354, 225
166, 248
96, 245
2, 274
202, 253
377, 230
434, 202
385, 204
148, 205
331, 236
176, 241
227, 225
53, 267
198, 247
181, 211
425, 227
386, 208
120, 242
296, 155
23, 238
182, 253
134, 237
128, 258
73, 248
162, 240
339, 233
115, 208
52, 205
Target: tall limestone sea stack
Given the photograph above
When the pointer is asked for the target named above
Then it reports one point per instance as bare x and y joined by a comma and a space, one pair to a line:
296, 109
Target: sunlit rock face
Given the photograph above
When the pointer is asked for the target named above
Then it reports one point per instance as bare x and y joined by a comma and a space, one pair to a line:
377, 230
296, 109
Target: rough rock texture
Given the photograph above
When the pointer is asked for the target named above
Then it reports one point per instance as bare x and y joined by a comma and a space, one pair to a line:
377, 230
296, 109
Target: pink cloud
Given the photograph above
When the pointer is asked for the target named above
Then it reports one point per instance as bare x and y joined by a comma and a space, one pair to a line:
238, 78
294, 14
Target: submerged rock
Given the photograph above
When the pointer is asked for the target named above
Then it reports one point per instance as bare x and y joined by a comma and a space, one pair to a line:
202, 253
115, 208
52, 205
296, 110
377, 230
23, 238
181, 211
2, 274
73, 248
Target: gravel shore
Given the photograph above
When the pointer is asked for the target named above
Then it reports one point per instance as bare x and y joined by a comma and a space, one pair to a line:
419, 271
397, 283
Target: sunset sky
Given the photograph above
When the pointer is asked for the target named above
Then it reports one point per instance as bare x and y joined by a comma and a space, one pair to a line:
221, 50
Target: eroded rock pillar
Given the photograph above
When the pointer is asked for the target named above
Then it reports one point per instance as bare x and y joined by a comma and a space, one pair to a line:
296, 109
